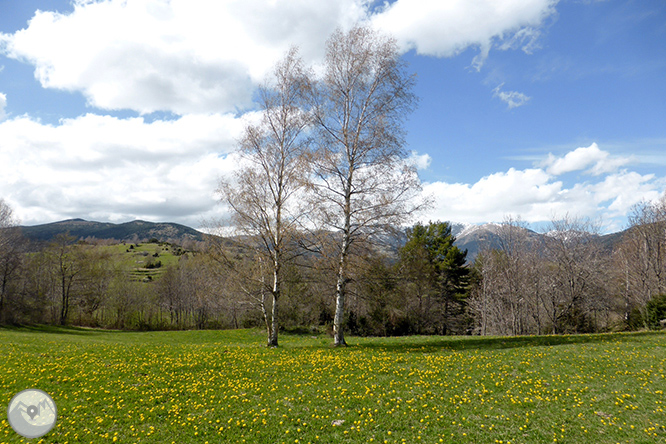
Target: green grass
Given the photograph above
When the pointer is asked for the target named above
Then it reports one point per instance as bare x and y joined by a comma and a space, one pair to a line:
226, 387
133, 260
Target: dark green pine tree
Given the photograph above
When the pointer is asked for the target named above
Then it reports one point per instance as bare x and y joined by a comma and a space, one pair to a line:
437, 269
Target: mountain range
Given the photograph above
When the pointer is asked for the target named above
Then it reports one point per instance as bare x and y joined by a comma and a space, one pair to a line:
472, 238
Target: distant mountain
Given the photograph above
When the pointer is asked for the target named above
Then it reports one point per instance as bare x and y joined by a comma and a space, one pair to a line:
474, 238
137, 230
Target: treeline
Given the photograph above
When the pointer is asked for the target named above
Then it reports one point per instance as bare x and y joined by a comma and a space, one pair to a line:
566, 282
225, 284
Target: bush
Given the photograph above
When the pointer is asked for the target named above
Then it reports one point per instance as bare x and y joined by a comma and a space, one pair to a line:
655, 311
152, 265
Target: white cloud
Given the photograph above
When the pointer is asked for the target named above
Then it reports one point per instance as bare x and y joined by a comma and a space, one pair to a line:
625, 189
525, 192
537, 194
200, 56
513, 99
182, 56
104, 168
526, 39
446, 28
592, 157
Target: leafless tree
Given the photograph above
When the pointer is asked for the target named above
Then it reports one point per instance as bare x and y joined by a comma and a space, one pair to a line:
642, 255
68, 264
577, 278
241, 268
506, 298
10, 252
95, 279
262, 196
362, 182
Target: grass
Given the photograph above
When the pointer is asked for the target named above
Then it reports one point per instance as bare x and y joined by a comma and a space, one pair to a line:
132, 258
226, 387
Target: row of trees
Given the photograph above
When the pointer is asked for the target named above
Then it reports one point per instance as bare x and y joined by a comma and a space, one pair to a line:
551, 284
565, 282
229, 285
569, 281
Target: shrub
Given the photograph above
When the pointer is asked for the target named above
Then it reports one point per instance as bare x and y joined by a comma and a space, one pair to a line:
655, 311
152, 265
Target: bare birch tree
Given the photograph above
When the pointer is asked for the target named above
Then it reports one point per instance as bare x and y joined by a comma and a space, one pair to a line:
262, 194
10, 253
577, 280
362, 182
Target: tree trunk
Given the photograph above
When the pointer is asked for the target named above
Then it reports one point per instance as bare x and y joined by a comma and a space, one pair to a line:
265, 315
338, 334
273, 337
2, 296
341, 285
340, 294
64, 309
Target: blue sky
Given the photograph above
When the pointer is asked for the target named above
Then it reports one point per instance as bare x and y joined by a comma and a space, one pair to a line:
116, 110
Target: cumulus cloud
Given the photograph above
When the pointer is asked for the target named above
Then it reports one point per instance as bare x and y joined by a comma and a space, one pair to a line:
182, 56
446, 28
525, 192
538, 194
591, 158
105, 168
513, 99
203, 56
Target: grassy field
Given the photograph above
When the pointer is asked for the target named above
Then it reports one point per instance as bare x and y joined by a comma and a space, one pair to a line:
133, 258
226, 387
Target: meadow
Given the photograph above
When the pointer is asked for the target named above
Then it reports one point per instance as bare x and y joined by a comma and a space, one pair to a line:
227, 387
133, 258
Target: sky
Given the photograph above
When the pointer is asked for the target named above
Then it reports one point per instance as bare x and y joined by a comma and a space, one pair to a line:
116, 110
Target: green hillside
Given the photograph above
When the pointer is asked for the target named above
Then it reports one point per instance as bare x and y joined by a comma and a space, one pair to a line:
144, 262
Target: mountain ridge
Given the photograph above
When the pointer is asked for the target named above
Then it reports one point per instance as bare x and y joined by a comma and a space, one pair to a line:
470, 237
137, 230
479, 237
